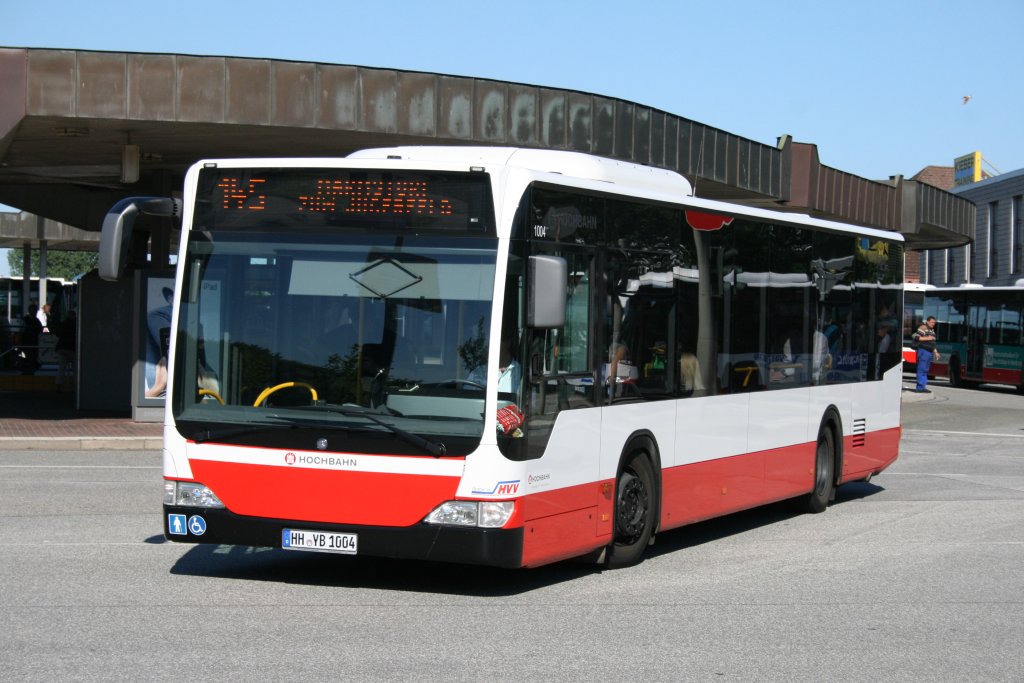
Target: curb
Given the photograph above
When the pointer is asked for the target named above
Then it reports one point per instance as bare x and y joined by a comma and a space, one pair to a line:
911, 396
77, 443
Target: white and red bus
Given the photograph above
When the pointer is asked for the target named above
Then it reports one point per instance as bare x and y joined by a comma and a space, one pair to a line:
509, 357
978, 334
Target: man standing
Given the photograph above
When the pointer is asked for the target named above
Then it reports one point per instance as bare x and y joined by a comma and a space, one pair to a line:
924, 340
43, 316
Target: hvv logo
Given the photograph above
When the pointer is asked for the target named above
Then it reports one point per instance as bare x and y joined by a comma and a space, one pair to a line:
502, 488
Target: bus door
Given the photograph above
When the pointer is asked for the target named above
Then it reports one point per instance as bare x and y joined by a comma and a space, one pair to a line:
559, 370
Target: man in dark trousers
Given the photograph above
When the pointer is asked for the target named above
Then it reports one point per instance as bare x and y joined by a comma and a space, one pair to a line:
924, 340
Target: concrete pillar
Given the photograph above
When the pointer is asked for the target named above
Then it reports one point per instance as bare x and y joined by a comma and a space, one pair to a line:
41, 236
42, 273
160, 246
26, 280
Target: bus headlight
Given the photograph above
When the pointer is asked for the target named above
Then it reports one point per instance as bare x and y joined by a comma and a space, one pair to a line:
189, 494
485, 513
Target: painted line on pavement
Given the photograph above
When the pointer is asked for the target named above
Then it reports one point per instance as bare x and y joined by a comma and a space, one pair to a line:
939, 431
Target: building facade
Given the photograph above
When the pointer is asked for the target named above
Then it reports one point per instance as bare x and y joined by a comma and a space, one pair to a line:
996, 256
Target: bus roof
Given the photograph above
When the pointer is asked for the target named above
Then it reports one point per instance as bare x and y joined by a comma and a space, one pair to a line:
602, 169
575, 169
574, 164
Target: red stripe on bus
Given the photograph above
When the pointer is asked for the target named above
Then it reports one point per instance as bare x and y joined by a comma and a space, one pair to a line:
991, 375
1001, 376
330, 496
558, 524
571, 521
877, 451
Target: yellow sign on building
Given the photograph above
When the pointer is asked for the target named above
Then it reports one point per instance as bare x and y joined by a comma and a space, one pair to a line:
967, 169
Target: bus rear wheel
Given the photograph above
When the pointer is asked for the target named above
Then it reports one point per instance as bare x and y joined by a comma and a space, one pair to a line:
634, 512
824, 462
954, 373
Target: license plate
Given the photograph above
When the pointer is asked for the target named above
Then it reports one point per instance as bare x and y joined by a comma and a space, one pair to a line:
319, 541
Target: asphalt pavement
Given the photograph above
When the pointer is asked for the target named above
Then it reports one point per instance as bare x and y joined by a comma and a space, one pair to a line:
913, 576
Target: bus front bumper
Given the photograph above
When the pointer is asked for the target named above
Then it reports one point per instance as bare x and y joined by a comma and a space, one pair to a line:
467, 545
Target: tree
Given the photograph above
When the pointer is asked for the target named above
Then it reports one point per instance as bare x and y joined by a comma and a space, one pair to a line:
66, 265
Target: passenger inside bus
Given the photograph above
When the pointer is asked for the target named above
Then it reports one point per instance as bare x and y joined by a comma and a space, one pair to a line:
821, 353
621, 371
689, 375
510, 371
782, 365
340, 333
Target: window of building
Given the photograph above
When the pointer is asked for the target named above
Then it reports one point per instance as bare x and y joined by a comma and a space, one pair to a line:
1017, 234
991, 264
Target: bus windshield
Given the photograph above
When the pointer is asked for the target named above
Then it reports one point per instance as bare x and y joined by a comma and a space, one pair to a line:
336, 341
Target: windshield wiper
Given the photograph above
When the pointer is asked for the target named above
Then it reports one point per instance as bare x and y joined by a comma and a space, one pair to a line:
205, 435
434, 448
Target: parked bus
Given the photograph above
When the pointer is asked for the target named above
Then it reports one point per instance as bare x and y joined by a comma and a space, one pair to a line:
978, 334
62, 295
508, 357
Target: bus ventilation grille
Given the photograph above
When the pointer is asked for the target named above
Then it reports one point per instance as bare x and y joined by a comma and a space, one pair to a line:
860, 432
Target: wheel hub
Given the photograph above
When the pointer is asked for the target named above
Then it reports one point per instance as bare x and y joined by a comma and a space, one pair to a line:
632, 507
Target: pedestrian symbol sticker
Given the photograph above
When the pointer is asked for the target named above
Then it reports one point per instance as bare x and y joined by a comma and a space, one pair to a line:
197, 525
176, 524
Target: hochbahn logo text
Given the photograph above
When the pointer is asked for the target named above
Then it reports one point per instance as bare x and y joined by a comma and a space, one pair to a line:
319, 460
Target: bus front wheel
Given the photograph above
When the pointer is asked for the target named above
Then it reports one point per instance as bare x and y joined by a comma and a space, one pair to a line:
954, 373
634, 512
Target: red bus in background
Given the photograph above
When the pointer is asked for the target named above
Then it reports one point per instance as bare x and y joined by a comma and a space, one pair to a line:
978, 334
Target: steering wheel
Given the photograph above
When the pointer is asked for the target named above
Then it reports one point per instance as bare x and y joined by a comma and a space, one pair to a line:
211, 392
265, 394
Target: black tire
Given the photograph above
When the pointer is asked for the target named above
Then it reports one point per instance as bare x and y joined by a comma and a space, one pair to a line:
824, 482
954, 373
634, 512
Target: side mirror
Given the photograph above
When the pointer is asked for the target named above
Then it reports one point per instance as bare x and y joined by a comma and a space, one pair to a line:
548, 278
116, 234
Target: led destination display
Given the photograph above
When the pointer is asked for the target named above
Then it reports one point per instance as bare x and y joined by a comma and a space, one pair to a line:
231, 198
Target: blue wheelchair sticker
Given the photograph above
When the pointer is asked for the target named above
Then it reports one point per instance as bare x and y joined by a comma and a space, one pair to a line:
197, 525
176, 525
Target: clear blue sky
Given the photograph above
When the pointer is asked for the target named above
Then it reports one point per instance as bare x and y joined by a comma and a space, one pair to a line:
878, 85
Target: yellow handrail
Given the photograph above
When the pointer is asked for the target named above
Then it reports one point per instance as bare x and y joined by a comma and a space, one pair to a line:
284, 385
210, 392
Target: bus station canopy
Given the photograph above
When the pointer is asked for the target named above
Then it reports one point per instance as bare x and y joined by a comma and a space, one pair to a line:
80, 130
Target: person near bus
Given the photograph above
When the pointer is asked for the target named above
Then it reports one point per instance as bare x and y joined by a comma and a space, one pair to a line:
30, 340
924, 341
43, 316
